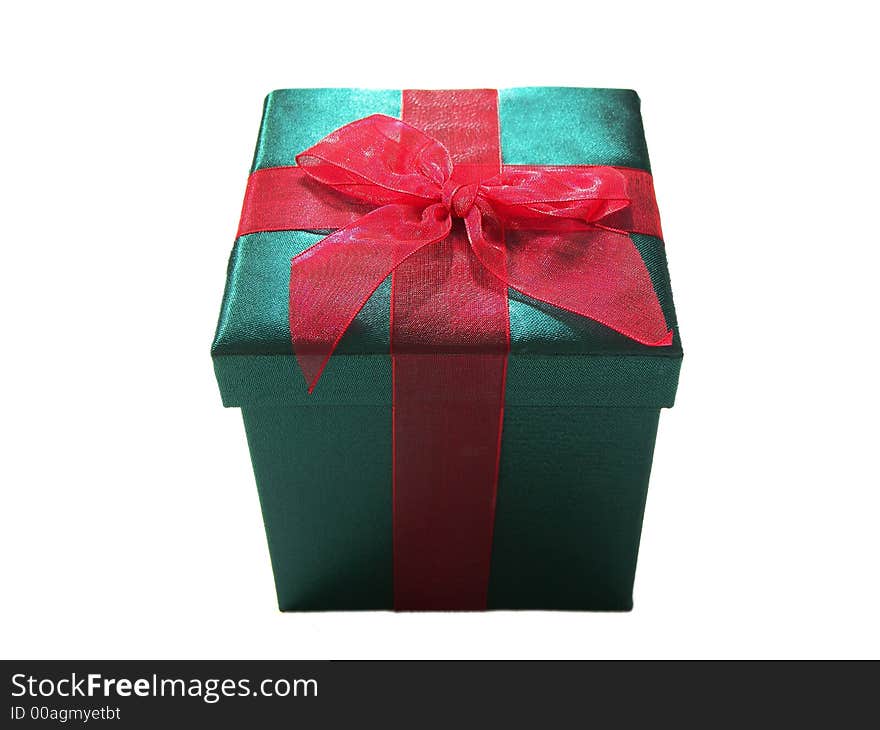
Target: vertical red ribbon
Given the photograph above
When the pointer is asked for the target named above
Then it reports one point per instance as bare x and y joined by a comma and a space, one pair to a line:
450, 335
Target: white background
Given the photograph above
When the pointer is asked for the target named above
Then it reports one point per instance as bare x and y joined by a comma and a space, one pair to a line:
130, 522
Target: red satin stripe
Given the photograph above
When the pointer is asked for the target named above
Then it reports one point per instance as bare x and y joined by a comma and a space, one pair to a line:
465, 121
449, 343
286, 198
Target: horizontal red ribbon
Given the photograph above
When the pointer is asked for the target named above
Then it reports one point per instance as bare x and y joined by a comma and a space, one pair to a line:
287, 199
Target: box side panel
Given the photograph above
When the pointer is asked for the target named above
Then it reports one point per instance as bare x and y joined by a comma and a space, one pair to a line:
571, 499
324, 480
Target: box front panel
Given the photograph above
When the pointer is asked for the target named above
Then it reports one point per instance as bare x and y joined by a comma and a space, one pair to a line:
571, 497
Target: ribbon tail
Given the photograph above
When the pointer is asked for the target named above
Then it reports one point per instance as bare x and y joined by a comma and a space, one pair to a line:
331, 281
596, 273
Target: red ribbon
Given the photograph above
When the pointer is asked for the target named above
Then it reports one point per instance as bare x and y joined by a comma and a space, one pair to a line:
427, 200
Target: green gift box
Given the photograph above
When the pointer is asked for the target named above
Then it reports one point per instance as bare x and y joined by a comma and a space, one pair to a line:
581, 401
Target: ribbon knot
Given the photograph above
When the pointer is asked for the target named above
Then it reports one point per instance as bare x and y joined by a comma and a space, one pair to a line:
459, 198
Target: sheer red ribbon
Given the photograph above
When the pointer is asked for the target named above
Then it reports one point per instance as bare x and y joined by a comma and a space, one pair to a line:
427, 200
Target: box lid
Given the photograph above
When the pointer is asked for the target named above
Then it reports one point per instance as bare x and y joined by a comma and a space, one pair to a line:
556, 358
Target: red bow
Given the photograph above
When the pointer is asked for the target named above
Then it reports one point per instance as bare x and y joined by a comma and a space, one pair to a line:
575, 253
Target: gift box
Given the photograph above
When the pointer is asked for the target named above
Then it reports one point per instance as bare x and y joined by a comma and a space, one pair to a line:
449, 326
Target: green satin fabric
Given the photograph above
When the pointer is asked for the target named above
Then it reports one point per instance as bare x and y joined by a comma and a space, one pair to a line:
295, 119
587, 363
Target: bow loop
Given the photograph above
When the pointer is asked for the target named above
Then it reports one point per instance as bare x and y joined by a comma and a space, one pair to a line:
380, 160
577, 194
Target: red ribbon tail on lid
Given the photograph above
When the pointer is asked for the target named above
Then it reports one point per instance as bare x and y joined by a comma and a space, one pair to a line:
595, 273
331, 281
